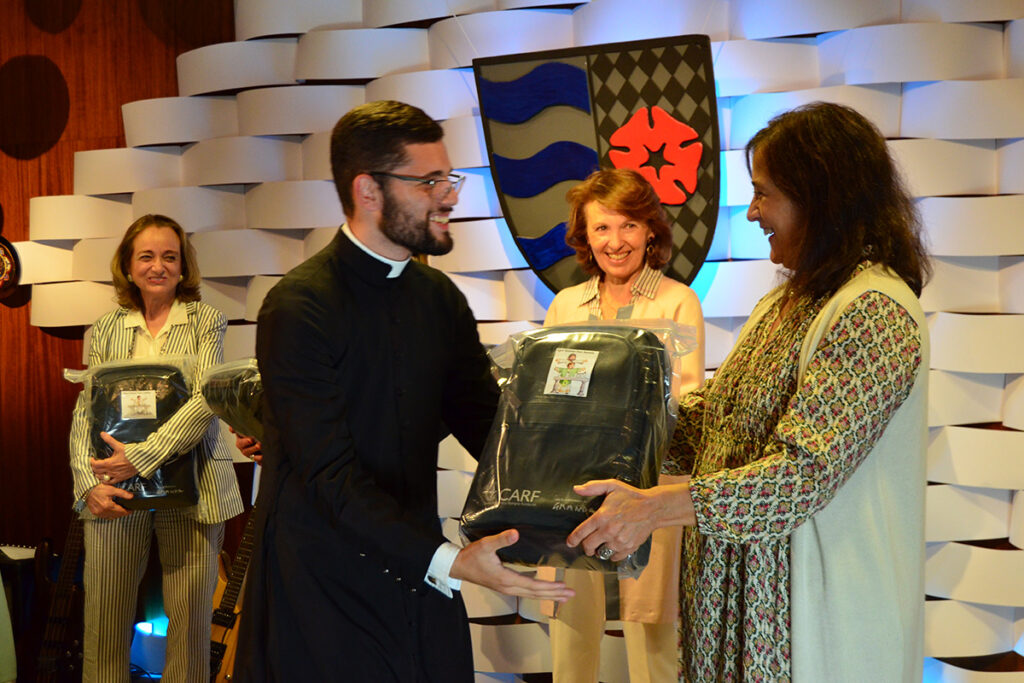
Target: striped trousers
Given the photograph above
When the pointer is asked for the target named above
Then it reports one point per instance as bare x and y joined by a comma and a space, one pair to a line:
116, 554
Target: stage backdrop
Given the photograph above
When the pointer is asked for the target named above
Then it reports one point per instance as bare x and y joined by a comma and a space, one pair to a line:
239, 156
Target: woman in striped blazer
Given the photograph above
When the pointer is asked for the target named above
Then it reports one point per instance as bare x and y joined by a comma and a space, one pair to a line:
157, 285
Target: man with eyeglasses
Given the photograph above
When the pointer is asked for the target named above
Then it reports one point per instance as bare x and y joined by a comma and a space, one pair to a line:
366, 356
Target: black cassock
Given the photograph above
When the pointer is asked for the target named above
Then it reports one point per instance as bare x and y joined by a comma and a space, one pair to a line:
361, 375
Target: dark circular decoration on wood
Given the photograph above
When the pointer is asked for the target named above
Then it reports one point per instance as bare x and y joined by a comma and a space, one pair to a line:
187, 24
34, 106
52, 16
10, 269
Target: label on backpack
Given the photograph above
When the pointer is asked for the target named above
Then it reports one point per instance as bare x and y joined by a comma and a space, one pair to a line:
570, 372
138, 405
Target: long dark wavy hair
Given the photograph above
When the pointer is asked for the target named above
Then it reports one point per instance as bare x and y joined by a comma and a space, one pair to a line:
835, 166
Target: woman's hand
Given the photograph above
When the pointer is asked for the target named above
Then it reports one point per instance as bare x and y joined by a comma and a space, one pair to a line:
100, 501
629, 515
250, 447
116, 468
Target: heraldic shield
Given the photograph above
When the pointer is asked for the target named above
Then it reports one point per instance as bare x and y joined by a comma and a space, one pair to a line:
551, 118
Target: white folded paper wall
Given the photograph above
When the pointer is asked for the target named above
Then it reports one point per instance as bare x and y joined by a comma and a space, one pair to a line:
247, 172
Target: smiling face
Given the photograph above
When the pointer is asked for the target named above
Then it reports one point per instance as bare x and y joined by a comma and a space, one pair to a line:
414, 216
155, 265
619, 243
778, 215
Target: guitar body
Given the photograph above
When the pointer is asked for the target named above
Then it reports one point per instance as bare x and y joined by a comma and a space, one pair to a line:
228, 598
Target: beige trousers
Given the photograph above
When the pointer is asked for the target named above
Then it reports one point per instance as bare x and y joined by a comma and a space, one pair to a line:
648, 609
651, 649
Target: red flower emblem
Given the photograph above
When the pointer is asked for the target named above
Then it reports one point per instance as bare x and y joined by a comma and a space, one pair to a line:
655, 131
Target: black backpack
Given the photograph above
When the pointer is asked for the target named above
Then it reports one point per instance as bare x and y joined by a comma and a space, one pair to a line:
234, 392
581, 403
174, 483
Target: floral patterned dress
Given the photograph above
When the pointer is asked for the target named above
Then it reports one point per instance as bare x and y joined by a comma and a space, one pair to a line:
767, 451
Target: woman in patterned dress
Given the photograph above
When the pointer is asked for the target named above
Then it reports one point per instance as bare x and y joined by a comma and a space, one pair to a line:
803, 549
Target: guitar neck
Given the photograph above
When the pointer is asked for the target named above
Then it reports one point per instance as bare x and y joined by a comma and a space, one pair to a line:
60, 649
239, 566
61, 605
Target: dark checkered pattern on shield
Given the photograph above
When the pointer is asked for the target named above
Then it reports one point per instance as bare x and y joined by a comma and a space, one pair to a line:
673, 78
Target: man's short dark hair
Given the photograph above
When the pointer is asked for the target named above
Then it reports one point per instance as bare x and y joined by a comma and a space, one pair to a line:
372, 137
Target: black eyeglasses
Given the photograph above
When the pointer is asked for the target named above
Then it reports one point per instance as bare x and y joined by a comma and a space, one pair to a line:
437, 187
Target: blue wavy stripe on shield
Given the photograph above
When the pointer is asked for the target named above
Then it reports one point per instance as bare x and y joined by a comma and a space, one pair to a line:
548, 249
549, 85
557, 162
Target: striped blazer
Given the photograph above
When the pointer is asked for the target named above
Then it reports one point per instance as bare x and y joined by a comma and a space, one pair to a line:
203, 336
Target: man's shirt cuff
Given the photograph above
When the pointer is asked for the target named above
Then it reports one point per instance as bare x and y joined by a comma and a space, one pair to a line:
438, 573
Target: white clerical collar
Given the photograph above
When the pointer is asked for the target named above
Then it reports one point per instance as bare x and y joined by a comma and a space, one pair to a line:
396, 266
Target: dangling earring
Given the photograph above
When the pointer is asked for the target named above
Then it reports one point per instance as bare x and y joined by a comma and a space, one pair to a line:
129, 277
181, 276
650, 247
590, 255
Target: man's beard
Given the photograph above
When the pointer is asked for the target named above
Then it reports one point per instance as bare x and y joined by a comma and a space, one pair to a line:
411, 232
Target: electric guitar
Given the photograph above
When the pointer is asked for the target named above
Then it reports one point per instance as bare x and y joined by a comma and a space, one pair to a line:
60, 652
224, 634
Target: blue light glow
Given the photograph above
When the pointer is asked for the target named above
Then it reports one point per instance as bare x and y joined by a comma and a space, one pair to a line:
932, 671
705, 276
157, 627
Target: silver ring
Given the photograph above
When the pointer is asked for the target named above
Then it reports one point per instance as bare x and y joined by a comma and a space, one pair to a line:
604, 552
106, 477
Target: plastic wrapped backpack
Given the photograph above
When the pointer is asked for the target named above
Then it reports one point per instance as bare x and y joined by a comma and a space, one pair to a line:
581, 401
